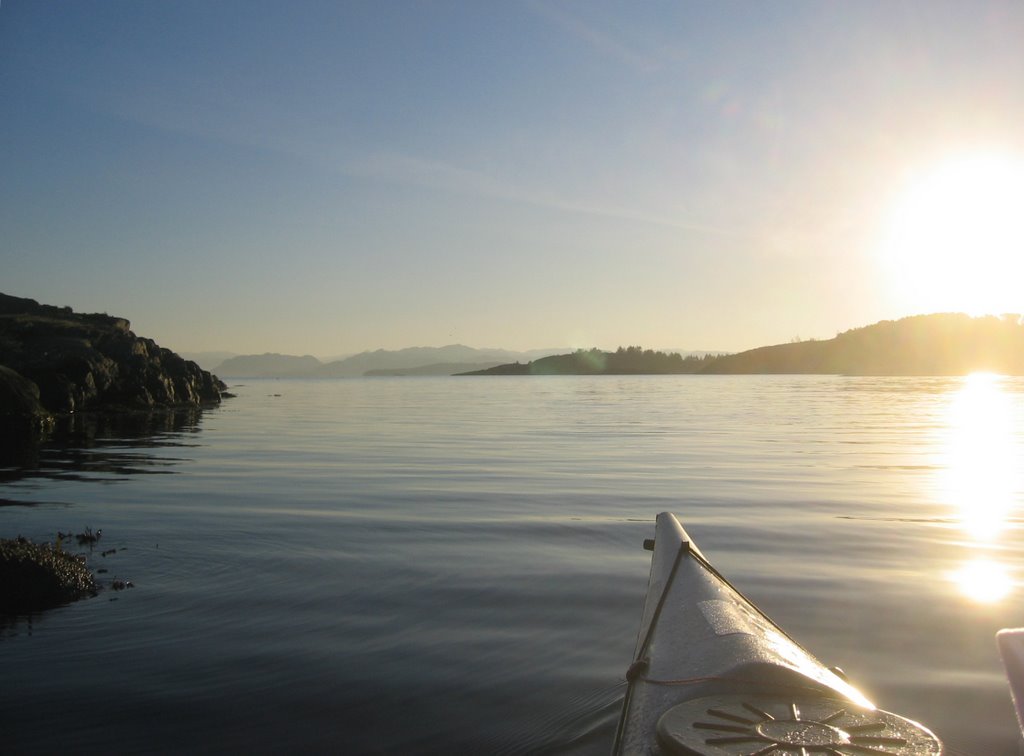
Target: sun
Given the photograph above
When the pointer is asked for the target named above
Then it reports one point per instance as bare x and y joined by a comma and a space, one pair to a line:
955, 238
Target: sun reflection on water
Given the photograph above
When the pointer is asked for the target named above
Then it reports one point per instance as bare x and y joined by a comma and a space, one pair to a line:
984, 581
981, 474
981, 479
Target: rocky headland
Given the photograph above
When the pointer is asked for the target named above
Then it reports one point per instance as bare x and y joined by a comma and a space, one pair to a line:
55, 362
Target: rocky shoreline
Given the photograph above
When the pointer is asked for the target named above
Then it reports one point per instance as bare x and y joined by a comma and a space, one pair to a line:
55, 362
66, 374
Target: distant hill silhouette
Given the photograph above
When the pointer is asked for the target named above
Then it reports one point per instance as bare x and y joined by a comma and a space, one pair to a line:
940, 344
632, 360
441, 368
268, 366
415, 357
208, 360
444, 360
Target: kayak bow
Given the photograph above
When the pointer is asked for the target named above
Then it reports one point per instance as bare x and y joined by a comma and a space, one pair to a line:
1011, 648
713, 675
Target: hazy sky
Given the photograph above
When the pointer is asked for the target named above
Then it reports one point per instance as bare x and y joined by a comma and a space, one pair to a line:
328, 177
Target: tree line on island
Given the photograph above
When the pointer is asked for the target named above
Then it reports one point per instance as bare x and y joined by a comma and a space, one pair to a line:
939, 344
633, 360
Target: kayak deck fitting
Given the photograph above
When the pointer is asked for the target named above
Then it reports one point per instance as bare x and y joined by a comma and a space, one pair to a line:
713, 675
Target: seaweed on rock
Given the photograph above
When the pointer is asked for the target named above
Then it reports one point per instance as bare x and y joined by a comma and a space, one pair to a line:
37, 576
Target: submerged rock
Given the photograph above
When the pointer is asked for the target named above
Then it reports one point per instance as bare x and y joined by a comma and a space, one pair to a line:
37, 576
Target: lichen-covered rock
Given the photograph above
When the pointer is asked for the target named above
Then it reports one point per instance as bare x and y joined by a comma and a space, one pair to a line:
37, 576
93, 362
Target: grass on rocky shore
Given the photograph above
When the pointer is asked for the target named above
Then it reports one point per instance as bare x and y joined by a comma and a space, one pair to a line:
37, 576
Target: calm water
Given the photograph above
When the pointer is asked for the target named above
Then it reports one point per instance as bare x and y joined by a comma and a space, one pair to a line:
454, 565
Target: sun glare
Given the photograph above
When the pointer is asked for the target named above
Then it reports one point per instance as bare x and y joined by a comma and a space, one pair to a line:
983, 581
955, 241
982, 465
982, 479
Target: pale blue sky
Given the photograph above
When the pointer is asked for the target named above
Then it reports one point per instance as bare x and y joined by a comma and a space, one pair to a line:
328, 177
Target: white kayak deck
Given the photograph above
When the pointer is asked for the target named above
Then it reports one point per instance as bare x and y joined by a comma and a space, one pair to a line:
712, 674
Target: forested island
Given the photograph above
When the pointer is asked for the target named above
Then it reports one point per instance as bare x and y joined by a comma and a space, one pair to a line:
940, 344
631, 360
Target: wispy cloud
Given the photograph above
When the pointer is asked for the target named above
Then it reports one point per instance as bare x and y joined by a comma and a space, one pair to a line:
439, 175
602, 41
397, 168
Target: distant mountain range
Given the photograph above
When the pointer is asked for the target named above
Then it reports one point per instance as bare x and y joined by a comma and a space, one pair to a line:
268, 366
446, 360
208, 360
939, 344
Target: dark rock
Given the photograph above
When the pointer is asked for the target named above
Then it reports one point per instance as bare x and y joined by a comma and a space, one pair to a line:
18, 395
20, 404
34, 577
89, 362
